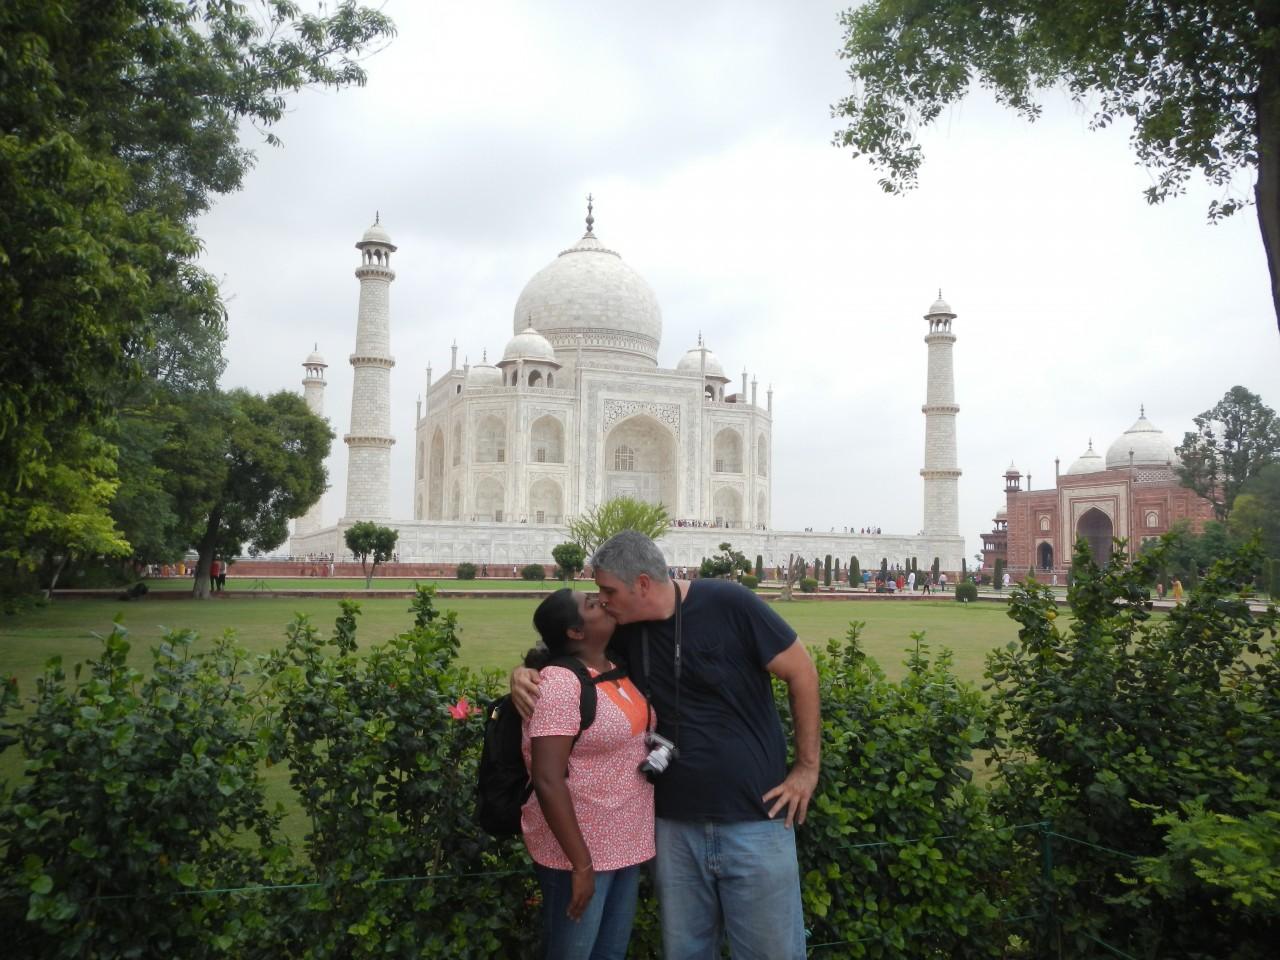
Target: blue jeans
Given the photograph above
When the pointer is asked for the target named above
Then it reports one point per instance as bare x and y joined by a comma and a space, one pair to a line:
605, 927
738, 881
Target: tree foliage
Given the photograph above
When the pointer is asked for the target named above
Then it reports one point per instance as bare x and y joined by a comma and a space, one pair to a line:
120, 123
242, 466
1133, 732
372, 544
728, 563
1257, 510
1200, 82
1233, 440
621, 513
570, 558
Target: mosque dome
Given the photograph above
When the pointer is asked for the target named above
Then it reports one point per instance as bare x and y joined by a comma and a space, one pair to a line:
589, 292
314, 360
1149, 445
484, 374
1089, 462
691, 362
529, 344
376, 233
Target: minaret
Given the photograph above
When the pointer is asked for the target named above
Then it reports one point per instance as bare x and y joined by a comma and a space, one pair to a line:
941, 503
369, 442
313, 385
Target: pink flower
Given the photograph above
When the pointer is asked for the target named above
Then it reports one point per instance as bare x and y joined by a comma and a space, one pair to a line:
462, 709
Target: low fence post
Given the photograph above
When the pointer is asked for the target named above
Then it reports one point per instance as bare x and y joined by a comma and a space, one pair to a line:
1051, 939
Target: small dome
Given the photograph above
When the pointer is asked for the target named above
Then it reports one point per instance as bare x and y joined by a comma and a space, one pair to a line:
1012, 470
376, 234
484, 374
940, 308
691, 362
529, 344
1149, 445
1088, 462
314, 360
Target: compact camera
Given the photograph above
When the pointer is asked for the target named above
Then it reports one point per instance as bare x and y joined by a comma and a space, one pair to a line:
661, 752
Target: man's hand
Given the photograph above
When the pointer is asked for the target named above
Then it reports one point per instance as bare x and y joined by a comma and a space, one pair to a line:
794, 793
524, 690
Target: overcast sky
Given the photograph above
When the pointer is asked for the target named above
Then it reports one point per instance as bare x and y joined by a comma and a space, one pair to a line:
704, 132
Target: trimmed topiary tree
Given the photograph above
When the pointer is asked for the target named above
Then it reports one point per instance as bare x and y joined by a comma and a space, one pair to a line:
465, 571
808, 584
826, 571
997, 576
855, 573
533, 571
966, 591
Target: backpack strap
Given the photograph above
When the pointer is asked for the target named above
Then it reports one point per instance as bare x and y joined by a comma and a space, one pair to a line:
587, 702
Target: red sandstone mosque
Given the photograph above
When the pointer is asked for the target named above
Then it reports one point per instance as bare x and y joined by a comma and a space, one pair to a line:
1133, 493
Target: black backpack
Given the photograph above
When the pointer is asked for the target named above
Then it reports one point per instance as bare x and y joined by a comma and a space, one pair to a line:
502, 783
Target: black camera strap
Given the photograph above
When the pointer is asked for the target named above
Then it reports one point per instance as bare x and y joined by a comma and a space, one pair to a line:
648, 682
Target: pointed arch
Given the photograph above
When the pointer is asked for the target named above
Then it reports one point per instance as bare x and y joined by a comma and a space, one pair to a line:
546, 501
435, 477
491, 440
546, 438
727, 451
649, 448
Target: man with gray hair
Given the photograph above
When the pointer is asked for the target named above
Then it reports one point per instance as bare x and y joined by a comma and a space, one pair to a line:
704, 652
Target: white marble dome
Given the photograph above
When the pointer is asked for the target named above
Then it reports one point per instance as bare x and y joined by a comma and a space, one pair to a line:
589, 292
691, 362
1088, 462
314, 360
940, 307
1149, 445
529, 344
376, 234
484, 374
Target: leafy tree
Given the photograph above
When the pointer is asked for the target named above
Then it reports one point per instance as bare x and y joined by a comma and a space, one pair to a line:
1257, 510
1232, 441
727, 563
121, 123
621, 513
68, 518
241, 466
1199, 82
570, 558
372, 544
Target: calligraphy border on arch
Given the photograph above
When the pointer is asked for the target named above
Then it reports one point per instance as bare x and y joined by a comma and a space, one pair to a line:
668, 413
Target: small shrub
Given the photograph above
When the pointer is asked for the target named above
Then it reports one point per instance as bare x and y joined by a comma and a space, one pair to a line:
808, 584
749, 581
966, 591
533, 571
466, 571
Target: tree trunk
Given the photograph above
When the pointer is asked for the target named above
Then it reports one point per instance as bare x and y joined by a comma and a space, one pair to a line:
1267, 191
57, 572
208, 543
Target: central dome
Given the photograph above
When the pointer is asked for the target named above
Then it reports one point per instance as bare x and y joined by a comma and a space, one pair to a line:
588, 297
1143, 444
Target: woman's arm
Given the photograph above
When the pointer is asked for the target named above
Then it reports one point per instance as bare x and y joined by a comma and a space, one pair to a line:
550, 759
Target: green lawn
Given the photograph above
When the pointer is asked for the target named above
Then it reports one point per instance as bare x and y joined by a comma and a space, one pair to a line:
254, 584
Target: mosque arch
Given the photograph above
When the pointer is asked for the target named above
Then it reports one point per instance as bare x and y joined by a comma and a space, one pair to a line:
1044, 556
535, 378
762, 456
546, 502
1153, 518
551, 380
726, 504
435, 482
490, 500
1095, 527
727, 451
546, 438
491, 441
651, 476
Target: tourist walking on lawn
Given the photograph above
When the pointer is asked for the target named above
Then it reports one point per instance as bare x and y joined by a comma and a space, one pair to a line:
587, 831
706, 651
215, 569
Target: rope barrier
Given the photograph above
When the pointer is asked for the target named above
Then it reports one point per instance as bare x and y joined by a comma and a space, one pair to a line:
1095, 846
1102, 943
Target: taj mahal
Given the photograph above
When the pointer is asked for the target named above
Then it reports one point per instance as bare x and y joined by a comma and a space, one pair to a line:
575, 410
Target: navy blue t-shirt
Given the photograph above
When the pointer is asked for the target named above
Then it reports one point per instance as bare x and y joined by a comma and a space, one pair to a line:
732, 750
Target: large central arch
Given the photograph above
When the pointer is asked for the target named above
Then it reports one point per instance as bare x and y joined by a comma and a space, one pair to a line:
1095, 526
640, 462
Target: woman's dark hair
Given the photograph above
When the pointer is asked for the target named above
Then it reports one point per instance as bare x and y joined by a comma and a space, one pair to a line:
554, 618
